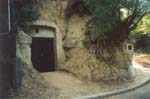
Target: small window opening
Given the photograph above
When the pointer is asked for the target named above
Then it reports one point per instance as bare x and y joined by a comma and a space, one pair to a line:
36, 30
129, 47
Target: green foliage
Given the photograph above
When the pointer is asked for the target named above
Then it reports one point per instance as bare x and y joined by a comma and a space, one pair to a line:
86, 43
111, 19
137, 35
25, 11
143, 43
107, 14
144, 25
142, 35
104, 21
142, 28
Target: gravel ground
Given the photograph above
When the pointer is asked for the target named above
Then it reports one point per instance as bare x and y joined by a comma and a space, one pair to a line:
142, 92
70, 87
61, 85
143, 60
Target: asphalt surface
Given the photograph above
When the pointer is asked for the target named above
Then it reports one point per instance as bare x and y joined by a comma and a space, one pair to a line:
142, 92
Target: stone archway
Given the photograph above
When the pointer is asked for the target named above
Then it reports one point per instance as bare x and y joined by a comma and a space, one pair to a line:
43, 48
41, 30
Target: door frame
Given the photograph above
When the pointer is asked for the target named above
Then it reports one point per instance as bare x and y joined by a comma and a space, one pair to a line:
54, 43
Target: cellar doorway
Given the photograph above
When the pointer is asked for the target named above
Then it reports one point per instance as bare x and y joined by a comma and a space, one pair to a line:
43, 54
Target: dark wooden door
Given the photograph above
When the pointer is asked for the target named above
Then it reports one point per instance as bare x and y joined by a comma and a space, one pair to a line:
43, 57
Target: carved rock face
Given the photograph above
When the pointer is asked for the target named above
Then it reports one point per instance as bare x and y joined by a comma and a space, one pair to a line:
84, 65
79, 61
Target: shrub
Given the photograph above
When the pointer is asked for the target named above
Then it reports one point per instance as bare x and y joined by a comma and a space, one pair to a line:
25, 11
86, 43
142, 43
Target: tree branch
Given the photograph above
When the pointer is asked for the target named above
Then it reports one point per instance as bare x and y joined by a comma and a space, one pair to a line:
134, 25
132, 17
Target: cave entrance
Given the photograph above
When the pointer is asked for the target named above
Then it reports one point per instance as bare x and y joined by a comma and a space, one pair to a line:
42, 54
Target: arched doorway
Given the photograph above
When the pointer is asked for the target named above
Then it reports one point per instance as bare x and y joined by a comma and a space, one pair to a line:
43, 51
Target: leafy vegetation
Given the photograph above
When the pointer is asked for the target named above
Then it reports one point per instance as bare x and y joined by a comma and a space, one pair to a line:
86, 43
144, 25
25, 11
142, 35
111, 19
115, 17
143, 44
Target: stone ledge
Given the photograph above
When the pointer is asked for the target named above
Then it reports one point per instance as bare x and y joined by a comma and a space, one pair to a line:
43, 23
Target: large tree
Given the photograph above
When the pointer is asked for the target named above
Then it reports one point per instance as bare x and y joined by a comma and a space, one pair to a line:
110, 19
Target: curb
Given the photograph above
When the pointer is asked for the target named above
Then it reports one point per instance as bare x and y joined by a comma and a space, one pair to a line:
116, 92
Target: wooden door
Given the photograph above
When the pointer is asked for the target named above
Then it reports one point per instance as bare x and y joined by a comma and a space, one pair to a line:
43, 57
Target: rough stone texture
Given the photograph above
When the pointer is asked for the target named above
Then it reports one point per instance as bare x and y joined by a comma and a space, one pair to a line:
69, 35
131, 71
32, 83
84, 65
75, 35
49, 29
52, 11
23, 60
23, 47
123, 57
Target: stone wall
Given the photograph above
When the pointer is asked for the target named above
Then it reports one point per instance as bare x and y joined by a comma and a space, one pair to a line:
71, 55
49, 29
32, 83
23, 49
69, 34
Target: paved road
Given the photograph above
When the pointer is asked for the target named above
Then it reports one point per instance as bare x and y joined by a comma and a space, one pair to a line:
139, 93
